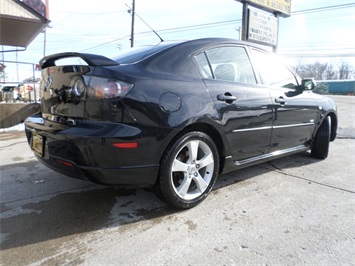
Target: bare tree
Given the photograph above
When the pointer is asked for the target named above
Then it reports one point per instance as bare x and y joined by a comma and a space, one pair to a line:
316, 70
330, 73
345, 70
298, 66
320, 71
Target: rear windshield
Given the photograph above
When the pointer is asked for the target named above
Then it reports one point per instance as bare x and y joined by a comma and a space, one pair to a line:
138, 53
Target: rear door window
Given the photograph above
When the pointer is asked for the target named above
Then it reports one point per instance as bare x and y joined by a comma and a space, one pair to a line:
204, 65
226, 63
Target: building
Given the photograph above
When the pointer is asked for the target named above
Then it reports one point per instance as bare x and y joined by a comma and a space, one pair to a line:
339, 87
21, 22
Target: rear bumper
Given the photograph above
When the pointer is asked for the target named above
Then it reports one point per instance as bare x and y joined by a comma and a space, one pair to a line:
135, 175
87, 150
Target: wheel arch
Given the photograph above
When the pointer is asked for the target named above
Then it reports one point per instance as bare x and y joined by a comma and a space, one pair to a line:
212, 132
334, 126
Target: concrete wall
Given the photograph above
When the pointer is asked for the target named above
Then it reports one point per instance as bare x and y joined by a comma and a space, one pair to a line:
12, 114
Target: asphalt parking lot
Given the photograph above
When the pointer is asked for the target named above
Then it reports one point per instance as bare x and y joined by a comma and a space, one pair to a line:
295, 210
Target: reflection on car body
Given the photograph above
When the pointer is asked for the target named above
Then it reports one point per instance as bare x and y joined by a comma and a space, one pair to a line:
29, 89
8, 92
175, 115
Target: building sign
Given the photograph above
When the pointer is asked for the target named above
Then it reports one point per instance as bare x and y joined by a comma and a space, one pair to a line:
282, 6
36, 5
262, 28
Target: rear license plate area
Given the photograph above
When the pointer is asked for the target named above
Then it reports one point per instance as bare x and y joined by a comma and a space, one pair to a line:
37, 144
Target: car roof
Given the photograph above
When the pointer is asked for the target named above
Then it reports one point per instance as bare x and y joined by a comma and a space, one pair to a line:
4, 85
137, 54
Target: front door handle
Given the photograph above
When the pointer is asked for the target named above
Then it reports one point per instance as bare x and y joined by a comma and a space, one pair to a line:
227, 97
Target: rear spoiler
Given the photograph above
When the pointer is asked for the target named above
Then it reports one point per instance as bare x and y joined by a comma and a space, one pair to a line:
90, 59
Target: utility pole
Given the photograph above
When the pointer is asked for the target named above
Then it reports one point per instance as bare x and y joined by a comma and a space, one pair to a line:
133, 11
274, 48
239, 33
45, 29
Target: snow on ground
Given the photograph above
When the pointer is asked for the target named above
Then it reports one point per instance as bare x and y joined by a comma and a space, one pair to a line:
19, 127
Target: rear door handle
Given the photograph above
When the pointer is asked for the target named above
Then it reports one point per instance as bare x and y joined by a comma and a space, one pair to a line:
227, 97
280, 100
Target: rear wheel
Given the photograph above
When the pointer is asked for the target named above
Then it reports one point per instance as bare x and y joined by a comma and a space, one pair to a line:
321, 142
189, 170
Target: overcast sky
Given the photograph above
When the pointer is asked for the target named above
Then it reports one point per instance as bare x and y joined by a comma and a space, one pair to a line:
104, 27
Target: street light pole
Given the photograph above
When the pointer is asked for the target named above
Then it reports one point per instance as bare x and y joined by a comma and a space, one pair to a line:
245, 20
44, 41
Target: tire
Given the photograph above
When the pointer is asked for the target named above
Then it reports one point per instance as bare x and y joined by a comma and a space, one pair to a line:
188, 170
321, 142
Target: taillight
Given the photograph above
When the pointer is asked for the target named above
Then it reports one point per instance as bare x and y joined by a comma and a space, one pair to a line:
104, 88
29, 88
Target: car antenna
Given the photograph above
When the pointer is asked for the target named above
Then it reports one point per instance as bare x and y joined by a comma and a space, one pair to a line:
130, 10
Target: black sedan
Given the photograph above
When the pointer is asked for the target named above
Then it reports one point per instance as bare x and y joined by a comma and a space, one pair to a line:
175, 115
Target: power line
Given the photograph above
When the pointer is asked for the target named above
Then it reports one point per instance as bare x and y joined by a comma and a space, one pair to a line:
177, 29
311, 55
217, 24
204, 25
223, 23
106, 43
320, 9
240, 20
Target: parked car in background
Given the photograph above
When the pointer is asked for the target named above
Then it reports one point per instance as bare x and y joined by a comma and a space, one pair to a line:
9, 92
175, 115
29, 89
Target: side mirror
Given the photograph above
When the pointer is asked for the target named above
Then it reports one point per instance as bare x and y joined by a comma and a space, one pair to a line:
308, 84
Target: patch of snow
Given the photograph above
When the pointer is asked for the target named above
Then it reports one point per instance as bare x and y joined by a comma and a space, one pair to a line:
19, 127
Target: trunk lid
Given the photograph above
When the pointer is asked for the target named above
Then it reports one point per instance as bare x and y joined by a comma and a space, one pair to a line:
74, 92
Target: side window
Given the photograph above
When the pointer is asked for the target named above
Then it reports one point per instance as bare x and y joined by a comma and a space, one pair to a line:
204, 65
228, 64
272, 71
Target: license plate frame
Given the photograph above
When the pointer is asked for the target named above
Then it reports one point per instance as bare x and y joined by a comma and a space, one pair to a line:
37, 144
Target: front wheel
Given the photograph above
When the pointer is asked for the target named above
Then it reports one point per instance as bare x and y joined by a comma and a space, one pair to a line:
321, 141
188, 170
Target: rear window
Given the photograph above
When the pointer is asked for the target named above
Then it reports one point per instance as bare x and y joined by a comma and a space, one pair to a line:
138, 53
